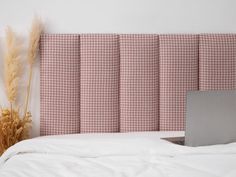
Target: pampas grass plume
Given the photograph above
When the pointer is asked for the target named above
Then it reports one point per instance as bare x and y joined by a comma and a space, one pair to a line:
11, 65
36, 30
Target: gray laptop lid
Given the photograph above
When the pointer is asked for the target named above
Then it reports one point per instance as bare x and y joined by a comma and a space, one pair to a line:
210, 118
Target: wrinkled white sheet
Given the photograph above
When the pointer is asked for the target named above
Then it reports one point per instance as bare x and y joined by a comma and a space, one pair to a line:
116, 157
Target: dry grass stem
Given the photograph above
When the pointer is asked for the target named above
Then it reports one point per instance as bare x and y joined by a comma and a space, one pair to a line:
11, 66
36, 30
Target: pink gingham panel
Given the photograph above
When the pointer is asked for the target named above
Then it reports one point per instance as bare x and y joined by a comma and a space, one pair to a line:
217, 61
139, 82
99, 83
59, 84
178, 74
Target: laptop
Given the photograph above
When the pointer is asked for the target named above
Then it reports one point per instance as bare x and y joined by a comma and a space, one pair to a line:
210, 118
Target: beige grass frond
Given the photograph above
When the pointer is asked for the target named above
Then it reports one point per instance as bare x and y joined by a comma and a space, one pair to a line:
12, 66
36, 30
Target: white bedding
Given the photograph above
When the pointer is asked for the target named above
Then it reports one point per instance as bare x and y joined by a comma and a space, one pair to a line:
117, 155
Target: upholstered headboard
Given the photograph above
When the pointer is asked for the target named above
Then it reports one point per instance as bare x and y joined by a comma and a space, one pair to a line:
128, 82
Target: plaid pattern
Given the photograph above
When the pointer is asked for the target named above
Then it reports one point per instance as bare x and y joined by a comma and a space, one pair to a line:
217, 61
178, 73
59, 89
99, 83
138, 82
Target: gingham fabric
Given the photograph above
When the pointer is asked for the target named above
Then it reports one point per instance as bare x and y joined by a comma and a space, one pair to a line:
178, 74
99, 83
59, 84
121, 83
217, 61
139, 82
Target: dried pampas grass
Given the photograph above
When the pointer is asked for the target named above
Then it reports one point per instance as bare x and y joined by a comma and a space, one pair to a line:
11, 65
36, 30
12, 128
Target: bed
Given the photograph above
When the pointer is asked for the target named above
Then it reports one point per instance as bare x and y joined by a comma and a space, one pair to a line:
106, 155
107, 100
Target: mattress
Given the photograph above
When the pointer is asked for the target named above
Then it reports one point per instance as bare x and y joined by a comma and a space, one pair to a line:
117, 155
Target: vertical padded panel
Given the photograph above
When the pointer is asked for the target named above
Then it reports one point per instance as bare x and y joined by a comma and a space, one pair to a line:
178, 74
59, 84
138, 82
99, 83
217, 61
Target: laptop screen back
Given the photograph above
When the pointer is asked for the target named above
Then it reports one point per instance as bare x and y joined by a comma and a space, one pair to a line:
210, 118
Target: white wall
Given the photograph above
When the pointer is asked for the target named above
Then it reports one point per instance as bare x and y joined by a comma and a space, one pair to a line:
114, 16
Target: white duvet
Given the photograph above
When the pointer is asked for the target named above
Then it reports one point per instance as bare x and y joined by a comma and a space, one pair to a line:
118, 156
